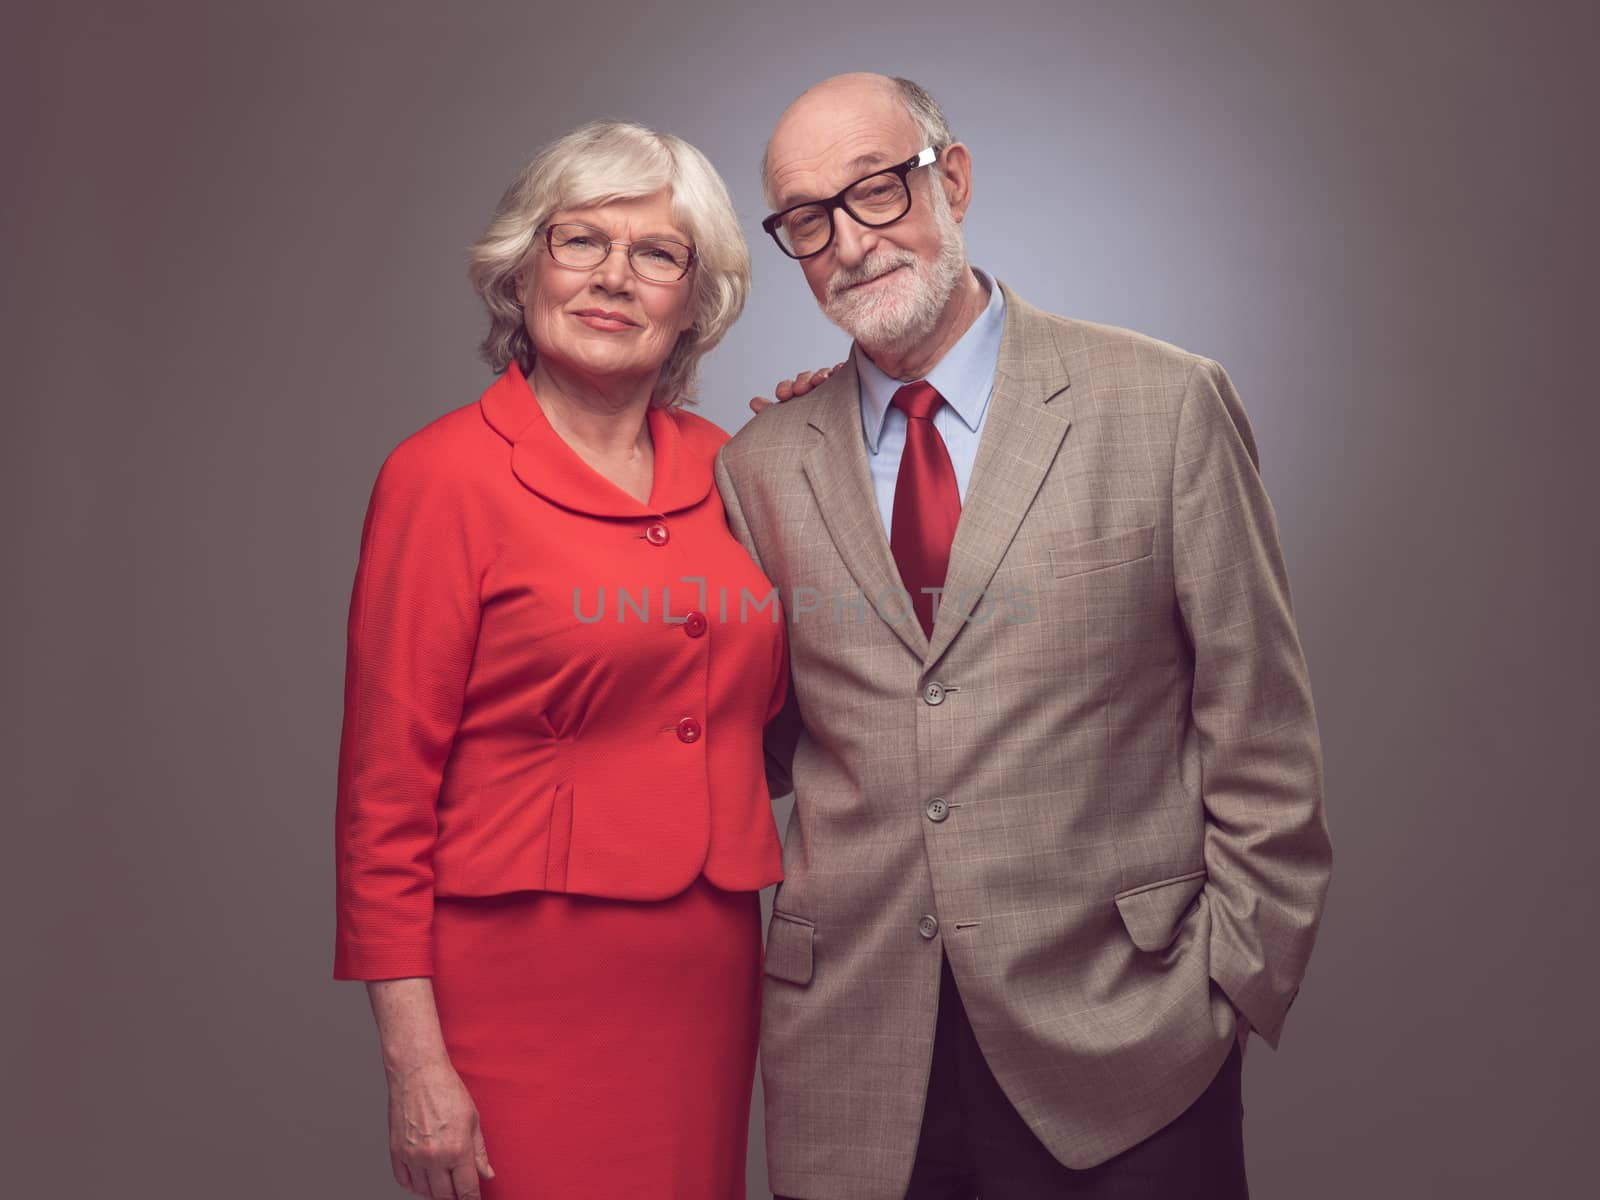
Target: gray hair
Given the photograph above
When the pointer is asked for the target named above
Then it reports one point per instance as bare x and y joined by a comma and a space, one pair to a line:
925, 111
920, 106
595, 164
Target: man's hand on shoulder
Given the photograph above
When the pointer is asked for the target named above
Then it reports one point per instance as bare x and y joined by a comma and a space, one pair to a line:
790, 388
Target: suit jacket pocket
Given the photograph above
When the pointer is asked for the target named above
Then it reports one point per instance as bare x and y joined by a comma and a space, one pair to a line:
1153, 911
789, 948
1096, 554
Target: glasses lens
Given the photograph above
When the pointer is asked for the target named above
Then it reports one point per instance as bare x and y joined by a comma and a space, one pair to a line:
577, 245
660, 259
805, 230
879, 199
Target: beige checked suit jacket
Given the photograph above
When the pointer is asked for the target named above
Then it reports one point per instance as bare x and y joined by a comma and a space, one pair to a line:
1097, 790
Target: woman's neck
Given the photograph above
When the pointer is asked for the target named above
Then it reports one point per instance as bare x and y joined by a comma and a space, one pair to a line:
606, 423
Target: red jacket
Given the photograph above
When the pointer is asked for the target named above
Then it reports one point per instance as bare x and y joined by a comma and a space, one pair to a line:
550, 686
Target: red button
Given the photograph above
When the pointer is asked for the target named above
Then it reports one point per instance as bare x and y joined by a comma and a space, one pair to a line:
656, 533
688, 730
695, 624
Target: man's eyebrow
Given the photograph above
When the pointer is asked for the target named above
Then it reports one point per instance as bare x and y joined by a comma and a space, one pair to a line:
861, 164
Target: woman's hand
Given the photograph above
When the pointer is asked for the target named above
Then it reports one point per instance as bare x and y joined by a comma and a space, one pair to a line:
790, 388
435, 1145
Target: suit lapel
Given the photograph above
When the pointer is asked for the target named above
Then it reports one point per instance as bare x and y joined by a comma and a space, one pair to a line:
836, 468
1023, 429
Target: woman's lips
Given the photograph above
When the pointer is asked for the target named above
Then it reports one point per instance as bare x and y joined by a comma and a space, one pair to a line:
603, 321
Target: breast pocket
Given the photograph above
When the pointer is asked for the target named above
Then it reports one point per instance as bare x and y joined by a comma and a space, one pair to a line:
1102, 553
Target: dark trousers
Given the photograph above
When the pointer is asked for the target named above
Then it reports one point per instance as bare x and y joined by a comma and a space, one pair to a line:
974, 1145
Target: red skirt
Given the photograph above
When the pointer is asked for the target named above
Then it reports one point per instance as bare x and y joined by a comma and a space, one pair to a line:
608, 1044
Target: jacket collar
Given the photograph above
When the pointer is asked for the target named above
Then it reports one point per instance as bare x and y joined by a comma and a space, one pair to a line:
545, 464
1027, 418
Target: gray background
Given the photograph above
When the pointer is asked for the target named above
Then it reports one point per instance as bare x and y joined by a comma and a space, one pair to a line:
233, 280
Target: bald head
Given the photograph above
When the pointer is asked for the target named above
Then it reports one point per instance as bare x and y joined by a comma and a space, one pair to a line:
894, 276
854, 83
838, 118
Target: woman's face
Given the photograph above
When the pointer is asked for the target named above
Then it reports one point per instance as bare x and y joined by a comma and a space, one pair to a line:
605, 322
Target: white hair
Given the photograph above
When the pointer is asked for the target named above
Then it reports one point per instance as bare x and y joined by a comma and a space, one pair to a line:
925, 111
595, 164
905, 311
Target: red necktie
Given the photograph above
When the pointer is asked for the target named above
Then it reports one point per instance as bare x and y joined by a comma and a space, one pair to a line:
927, 503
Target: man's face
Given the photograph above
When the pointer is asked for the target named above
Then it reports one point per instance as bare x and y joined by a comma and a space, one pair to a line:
885, 286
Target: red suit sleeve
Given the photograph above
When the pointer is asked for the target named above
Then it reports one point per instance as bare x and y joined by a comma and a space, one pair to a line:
413, 626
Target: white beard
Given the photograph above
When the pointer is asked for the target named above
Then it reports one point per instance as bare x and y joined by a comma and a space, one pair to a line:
903, 310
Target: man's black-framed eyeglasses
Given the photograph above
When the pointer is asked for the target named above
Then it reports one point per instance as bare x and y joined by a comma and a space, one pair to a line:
584, 247
874, 200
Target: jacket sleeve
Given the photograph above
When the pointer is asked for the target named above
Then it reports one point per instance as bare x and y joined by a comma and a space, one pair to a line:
783, 711
1267, 852
413, 627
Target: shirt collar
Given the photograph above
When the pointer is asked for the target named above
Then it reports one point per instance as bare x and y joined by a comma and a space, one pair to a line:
545, 464
964, 376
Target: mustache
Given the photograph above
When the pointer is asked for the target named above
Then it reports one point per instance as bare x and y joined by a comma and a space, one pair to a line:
846, 278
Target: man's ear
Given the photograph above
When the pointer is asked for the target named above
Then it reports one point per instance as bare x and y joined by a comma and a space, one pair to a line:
955, 176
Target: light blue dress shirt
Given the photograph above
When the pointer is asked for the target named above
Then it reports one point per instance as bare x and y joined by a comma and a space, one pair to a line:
964, 377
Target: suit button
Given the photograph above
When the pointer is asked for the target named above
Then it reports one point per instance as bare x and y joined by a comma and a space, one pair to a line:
938, 810
933, 693
656, 533
928, 927
689, 730
695, 624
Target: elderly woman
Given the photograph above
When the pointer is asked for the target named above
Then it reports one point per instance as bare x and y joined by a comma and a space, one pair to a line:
552, 817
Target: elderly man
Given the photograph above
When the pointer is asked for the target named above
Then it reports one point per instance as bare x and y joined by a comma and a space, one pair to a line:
1058, 841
